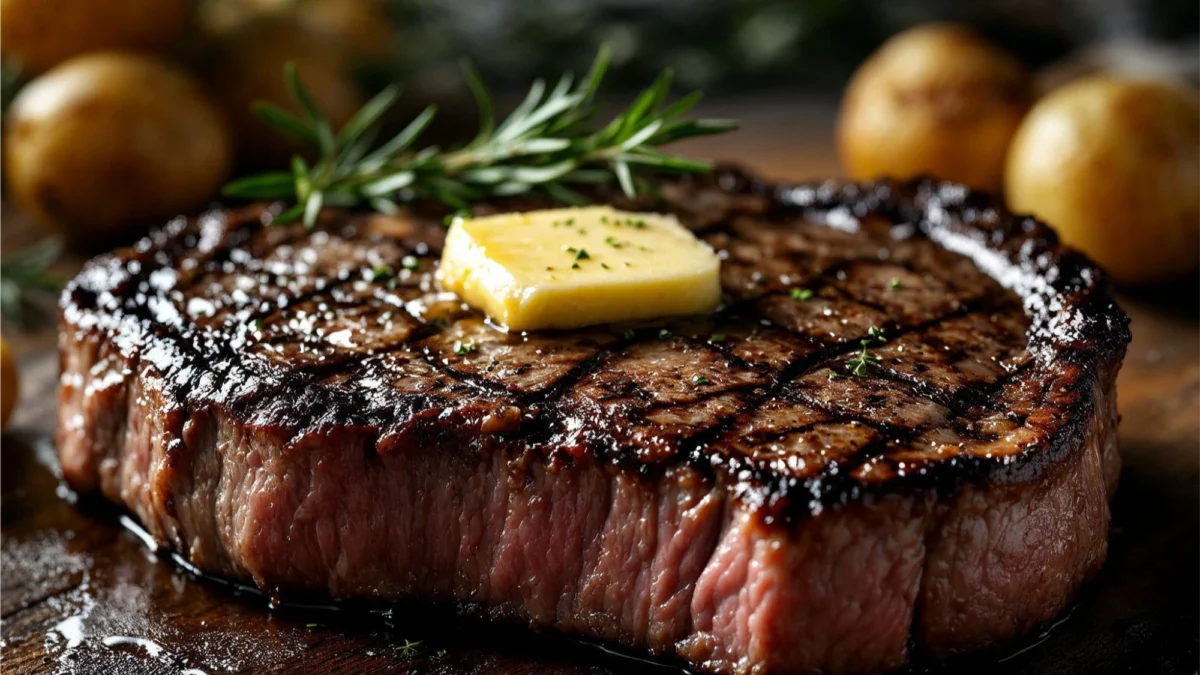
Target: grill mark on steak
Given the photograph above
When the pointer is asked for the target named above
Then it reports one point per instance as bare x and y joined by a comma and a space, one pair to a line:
850, 284
279, 413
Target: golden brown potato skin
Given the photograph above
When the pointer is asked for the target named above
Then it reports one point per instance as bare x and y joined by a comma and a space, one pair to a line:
934, 100
1113, 164
108, 142
245, 66
40, 34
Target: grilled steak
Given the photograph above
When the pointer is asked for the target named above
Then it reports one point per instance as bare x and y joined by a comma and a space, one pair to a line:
898, 434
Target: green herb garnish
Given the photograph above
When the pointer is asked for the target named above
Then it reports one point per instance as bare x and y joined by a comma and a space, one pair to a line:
858, 364
547, 143
801, 294
582, 254
462, 348
894, 284
382, 273
410, 262
700, 380
24, 283
717, 337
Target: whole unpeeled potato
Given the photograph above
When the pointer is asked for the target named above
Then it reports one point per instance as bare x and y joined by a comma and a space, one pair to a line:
938, 100
40, 34
1113, 164
108, 142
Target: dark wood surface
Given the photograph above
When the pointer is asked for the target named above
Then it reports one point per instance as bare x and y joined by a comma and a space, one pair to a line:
81, 593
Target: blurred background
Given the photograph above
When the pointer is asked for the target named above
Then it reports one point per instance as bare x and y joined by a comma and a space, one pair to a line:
779, 65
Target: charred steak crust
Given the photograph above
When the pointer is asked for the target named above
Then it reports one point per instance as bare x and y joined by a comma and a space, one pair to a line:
774, 442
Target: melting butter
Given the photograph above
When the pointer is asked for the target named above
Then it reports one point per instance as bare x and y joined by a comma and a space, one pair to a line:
565, 268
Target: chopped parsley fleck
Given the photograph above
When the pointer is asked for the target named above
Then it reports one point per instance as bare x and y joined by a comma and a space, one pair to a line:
613, 242
462, 348
700, 380
410, 262
801, 294
894, 284
409, 648
574, 266
717, 337
570, 221
629, 334
381, 273
664, 334
605, 266
604, 219
258, 325
582, 254
875, 333
570, 249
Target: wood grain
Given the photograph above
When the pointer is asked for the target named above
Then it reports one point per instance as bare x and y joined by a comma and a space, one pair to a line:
79, 593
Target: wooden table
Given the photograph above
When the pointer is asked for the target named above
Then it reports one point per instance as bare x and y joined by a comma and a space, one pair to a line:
80, 593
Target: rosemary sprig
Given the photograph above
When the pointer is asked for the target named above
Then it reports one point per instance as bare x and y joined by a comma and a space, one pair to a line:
548, 143
24, 282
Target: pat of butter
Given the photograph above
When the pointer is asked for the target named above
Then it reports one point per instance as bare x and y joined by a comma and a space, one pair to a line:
564, 268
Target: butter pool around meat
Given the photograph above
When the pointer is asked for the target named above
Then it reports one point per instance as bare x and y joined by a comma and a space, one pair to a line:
565, 268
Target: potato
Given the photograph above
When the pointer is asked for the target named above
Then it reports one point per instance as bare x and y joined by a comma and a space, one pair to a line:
40, 34
9, 384
246, 66
1113, 164
933, 100
109, 142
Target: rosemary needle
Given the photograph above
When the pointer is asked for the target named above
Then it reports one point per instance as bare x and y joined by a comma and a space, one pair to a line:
24, 281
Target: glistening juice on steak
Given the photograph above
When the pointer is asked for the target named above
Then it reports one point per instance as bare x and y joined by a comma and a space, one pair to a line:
897, 431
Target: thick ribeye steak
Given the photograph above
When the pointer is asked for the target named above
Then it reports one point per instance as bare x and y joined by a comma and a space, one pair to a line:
898, 433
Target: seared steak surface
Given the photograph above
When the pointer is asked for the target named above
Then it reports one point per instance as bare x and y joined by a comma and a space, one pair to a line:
898, 432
